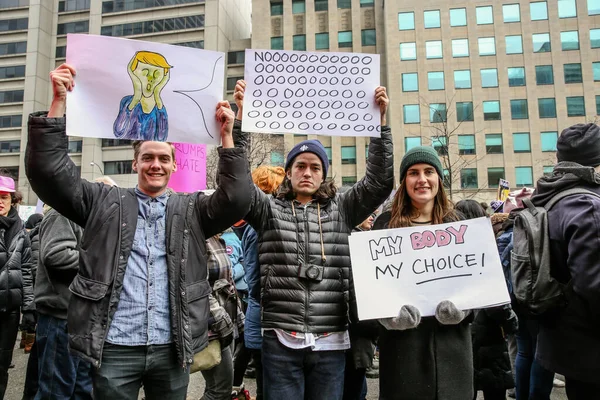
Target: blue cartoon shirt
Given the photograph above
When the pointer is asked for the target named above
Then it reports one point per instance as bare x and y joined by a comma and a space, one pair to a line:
136, 125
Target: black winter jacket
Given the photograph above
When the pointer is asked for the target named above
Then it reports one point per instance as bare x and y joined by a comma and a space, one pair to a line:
289, 236
16, 278
109, 217
35, 250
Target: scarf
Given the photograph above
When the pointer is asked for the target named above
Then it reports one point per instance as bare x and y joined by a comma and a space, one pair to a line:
11, 225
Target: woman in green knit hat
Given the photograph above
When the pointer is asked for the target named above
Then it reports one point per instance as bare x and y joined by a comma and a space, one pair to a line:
427, 358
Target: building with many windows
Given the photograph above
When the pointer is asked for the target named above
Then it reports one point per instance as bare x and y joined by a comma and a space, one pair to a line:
33, 41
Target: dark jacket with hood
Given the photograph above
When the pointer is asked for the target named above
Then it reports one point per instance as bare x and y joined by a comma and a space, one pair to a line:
109, 216
430, 362
291, 234
16, 278
574, 230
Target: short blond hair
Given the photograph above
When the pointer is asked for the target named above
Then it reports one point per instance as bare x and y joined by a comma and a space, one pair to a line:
268, 178
150, 58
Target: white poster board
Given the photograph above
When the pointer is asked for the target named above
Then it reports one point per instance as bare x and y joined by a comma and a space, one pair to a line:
311, 93
131, 89
425, 265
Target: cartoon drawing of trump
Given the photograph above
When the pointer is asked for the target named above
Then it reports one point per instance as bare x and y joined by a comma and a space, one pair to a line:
143, 115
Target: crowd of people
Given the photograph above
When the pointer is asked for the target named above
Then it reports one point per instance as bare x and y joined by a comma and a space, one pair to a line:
116, 289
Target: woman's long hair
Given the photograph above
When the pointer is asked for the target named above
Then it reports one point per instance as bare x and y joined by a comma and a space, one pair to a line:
326, 191
403, 211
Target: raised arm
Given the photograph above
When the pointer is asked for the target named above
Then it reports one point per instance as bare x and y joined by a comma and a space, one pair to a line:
372, 190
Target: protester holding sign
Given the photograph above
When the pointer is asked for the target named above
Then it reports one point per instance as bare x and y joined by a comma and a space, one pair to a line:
429, 358
305, 263
139, 310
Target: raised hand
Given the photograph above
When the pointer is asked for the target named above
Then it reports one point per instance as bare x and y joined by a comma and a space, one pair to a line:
383, 101
63, 81
137, 85
238, 96
225, 117
159, 88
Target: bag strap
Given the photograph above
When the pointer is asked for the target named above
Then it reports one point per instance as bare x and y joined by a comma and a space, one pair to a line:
568, 192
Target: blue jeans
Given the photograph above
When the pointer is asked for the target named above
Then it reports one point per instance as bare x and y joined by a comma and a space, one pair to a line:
124, 369
219, 379
532, 381
60, 374
301, 374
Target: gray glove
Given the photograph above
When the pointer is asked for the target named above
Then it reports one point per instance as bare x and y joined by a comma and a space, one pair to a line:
447, 314
409, 317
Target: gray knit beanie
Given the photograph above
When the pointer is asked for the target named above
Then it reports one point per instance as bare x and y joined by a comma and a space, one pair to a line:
418, 155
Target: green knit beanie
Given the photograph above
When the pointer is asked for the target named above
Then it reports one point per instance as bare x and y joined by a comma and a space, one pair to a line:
418, 155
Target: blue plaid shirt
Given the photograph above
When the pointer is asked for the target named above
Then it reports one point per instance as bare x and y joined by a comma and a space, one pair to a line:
142, 317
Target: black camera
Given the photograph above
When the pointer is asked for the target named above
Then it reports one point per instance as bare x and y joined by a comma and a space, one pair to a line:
311, 272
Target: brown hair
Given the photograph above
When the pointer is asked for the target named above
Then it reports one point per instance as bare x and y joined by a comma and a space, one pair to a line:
137, 145
403, 211
326, 191
16, 198
267, 178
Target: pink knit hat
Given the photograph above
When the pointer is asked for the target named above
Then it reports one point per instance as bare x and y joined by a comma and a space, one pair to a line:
7, 184
515, 199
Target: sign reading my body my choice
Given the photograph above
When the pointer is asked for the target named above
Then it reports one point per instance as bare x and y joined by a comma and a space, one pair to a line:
425, 265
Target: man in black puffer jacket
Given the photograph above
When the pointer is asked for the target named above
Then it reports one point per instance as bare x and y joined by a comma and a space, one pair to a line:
305, 263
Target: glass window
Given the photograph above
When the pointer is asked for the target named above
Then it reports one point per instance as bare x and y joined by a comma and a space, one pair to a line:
573, 73
344, 3
410, 82
518, 109
406, 21
75, 146
115, 142
575, 106
73, 27
460, 48
547, 108
524, 176
411, 142
462, 79
435, 80
516, 76
118, 167
437, 112
541, 43
277, 158
299, 42
593, 7
10, 146
11, 96
458, 17
231, 82
544, 75
236, 57
408, 51
328, 152
597, 105
485, 15
569, 40
489, 77
567, 8
464, 111
13, 48
596, 68
348, 180
466, 144
367, 3
322, 41
277, 43
432, 19
154, 26
538, 10
16, 71
491, 110
298, 6
548, 170
439, 143
468, 178
11, 121
487, 46
348, 154
514, 44
594, 38
368, 37
433, 49
511, 13
549, 140
13, 24
411, 114
494, 174
493, 143
276, 8
196, 44
345, 39
321, 5
521, 142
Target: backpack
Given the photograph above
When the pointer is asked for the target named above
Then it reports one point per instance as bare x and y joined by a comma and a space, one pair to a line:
534, 288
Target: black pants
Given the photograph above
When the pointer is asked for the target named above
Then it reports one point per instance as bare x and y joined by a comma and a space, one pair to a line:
31, 377
577, 390
241, 358
9, 323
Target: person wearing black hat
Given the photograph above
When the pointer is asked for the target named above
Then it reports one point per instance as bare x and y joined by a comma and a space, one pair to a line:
574, 230
427, 358
304, 261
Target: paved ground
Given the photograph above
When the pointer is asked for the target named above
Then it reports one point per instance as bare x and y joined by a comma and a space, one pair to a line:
196, 388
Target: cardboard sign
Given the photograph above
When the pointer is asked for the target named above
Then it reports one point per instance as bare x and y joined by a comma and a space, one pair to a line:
191, 168
136, 90
422, 266
311, 92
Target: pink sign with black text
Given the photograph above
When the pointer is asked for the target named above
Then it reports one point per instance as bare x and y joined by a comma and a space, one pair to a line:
191, 168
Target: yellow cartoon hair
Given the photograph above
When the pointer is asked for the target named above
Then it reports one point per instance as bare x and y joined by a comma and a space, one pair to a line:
148, 57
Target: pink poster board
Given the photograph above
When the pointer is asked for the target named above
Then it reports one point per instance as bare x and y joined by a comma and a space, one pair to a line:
191, 168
